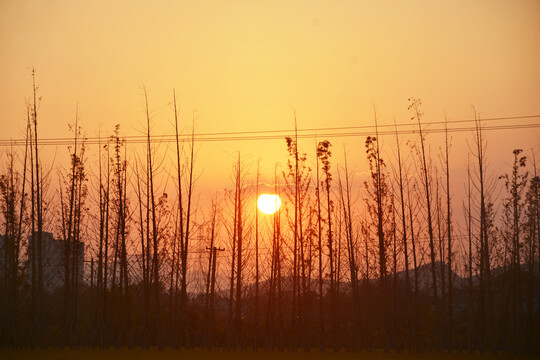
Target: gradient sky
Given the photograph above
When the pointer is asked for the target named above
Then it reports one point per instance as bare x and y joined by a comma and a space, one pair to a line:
244, 65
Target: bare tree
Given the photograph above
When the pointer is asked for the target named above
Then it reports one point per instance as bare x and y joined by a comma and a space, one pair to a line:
380, 209
532, 245
485, 211
346, 204
12, 192
257, 276
103, 252
320, 255
404, 240
515, 184
184, 242
449, 239
414, 106
323, 154
71, 216
35, 246
236, 233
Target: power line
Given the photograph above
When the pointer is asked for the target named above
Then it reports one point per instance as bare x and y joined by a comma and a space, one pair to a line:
328, 132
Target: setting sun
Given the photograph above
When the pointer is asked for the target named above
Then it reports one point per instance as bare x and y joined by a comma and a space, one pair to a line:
269, 204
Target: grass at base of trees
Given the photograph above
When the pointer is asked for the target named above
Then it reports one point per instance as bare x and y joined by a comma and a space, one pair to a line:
202, 354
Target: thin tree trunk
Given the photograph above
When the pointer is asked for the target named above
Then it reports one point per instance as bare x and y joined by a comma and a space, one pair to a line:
320, 248
257, 261
415, 106
449, 237
239, 264
404, 240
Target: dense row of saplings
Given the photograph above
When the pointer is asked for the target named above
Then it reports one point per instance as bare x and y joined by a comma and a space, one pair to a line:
325, 271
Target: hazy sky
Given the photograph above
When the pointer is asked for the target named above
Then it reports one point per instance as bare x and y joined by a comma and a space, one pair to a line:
244, 65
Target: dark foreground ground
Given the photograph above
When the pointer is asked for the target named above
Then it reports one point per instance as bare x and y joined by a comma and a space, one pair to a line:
137, 354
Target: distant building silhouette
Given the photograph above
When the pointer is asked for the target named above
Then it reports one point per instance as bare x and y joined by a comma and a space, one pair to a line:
53, 252
6, 252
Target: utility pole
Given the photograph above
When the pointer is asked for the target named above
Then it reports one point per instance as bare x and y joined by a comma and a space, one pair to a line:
210, 296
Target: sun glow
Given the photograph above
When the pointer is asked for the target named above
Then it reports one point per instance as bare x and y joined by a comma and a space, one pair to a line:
268, 204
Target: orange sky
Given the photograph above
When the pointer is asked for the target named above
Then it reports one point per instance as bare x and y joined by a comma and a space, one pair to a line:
244, 65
